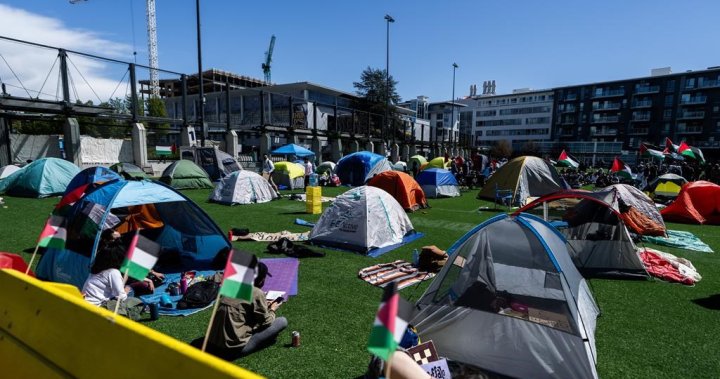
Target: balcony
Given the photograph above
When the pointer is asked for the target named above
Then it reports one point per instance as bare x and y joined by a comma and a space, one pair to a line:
609, 93
565, 132
568, 121
640, 116
693, 100
693, 129
607, 107
605, 119
570, 97
603, 132
647, 89
709, 84
642, 104
638, 131
691, 115
569, 109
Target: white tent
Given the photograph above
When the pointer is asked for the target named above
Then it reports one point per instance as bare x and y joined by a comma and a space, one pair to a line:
510, 300
6, 171
361, 219
242, 187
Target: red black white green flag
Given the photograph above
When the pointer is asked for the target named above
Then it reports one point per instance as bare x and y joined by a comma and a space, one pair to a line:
621, 168
239, 275
71, 198
670, 147
390, 323
142, 255
651, 152
54, 233
564, 160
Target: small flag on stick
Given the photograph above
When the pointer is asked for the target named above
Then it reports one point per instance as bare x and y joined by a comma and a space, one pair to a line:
239, 275
142, 255
390, 323
54, 234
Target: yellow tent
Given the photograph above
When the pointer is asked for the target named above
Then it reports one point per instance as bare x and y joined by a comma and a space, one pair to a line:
289, 175
294, 170
438, 162
419, 159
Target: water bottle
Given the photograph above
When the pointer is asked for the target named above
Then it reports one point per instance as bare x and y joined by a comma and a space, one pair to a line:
313, 180
183, 283
415, 257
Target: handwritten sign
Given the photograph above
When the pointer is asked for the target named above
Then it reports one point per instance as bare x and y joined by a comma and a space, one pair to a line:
437, 369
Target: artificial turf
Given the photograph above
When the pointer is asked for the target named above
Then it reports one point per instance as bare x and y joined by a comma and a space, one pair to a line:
647, 328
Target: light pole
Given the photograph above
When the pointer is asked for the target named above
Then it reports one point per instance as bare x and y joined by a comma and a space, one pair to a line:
452, 115
201, 113
389, 20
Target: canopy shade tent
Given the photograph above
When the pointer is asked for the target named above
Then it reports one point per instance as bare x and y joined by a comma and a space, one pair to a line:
292, 149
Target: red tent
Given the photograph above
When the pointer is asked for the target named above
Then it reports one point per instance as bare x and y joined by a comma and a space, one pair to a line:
697, 203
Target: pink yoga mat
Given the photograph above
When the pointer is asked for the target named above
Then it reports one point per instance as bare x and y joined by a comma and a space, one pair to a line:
284, 273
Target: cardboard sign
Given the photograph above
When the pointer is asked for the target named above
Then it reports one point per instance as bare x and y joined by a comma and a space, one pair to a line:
438, 369
423, 353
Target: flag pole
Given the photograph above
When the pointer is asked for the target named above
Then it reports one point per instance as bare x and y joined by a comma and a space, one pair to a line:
212, 318
117, 302
32, 259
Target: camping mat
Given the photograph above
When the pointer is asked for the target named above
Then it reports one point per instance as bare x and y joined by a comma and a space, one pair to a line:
668, 267
272, 237
301, 222
681, 240
323, 199
400, 272
284, 277
160, 290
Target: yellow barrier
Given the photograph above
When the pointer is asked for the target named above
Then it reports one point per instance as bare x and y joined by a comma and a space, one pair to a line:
47, 330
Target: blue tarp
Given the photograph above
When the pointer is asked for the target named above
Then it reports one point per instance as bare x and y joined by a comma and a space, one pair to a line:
292, 149
436, 177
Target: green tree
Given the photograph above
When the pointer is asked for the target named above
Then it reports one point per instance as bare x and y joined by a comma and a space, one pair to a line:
156, 108
372, 88
501, 149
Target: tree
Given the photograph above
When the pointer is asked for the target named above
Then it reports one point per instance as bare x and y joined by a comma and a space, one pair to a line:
502, 149
530, 148
156, 108
372, 87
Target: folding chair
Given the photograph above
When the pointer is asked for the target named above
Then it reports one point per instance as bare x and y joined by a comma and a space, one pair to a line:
503, 195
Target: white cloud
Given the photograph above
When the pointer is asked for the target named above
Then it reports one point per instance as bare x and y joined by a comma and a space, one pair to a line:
32, 65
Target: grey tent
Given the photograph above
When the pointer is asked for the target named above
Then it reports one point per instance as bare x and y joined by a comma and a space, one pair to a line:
214, 161
598, 227
514, 305
524, 177
242, 187
184, 174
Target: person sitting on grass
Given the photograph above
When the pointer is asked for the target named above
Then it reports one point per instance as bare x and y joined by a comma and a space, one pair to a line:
240, 327
104, 287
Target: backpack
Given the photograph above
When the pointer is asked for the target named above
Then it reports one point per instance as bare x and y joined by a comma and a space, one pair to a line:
199, 295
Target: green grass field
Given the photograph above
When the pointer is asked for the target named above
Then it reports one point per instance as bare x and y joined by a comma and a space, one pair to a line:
648, 329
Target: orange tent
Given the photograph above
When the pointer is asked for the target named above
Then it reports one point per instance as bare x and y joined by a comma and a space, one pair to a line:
402, 187
697, 203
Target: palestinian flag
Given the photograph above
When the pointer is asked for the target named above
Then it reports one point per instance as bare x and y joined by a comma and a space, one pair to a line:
163, 150
141, 257
70, 199
621, 168
93, 214
690, 152
239, 275
564, 160
390, 323
54, 234
650, 152
670, 147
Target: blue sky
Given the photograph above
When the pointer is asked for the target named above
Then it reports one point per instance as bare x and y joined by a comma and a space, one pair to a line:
536, 44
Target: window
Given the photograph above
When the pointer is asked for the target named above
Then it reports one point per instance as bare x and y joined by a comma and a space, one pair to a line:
690, 83
666, 128
670, 87
668, 114
669, 100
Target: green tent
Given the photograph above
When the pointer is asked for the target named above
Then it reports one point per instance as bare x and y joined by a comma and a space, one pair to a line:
185, 174
129, 171
42, 178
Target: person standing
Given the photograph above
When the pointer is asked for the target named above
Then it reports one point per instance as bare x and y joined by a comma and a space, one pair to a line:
308, 170
267, 170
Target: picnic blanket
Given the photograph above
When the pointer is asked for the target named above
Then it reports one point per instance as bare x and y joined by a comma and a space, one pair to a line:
669, 267
272, 237
284, 277
400, 272
160, 290
681, 240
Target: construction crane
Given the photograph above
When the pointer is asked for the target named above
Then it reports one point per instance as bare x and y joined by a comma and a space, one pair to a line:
152, 45
268, 59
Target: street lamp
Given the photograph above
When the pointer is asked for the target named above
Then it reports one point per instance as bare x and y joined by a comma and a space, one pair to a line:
201, 114
389, 20
452, 115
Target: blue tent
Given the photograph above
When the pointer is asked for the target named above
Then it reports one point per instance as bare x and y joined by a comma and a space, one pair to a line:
188, 237
42, 178
93, 175
292, 149
357, 168
437, 182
